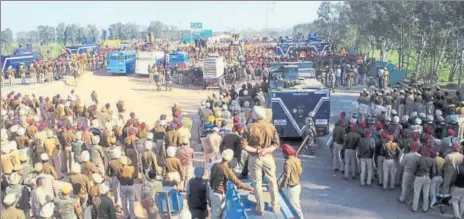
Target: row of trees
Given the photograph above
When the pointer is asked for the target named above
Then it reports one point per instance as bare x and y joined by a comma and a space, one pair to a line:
74, 33
426, 36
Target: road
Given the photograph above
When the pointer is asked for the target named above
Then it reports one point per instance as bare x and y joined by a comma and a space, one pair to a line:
325, 195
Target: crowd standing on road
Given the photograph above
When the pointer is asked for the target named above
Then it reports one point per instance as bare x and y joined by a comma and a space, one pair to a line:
63, 157
48, 71
408, 137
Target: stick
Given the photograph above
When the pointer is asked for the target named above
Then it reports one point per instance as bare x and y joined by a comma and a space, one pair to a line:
297, 152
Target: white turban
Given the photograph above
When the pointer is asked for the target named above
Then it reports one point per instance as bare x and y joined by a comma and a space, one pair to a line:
85, 156
95, 139
49, 133
258, 113
76, 168
21, 131
227, 155
97, 178
104, 188
44, 157
171, 151
117, 153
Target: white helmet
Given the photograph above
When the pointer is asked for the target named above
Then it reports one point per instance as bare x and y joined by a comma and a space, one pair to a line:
418, 121
422, 115
429, 118
414, 114
438, 113
396, 119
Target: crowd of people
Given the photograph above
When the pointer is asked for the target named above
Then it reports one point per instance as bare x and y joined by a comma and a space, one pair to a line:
52, 70
63, 158
410, 137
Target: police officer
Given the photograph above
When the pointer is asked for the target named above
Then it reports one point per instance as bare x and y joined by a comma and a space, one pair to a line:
11, 75
22, 73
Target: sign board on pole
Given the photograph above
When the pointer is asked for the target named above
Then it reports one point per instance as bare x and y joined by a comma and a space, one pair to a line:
196, 25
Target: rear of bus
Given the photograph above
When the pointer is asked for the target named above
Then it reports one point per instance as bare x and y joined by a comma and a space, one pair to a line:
116, 63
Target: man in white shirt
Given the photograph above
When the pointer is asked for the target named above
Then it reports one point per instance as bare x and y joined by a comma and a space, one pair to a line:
338, 76
40, 196
380, 75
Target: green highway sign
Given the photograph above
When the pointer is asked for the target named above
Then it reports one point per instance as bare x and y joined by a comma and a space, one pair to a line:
196, 25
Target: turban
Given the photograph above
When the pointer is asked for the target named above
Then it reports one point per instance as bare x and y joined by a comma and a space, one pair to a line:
288, 150
450, 132
258, 113
379, 125
227, 154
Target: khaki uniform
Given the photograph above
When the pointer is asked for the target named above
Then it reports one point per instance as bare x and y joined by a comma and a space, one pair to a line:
262, 135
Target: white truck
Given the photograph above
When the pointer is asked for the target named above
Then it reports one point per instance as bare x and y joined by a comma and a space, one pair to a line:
213, 71
145, 59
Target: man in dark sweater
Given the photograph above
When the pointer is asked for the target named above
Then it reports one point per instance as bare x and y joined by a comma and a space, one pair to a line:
352, 141
338, 143
422, 181
365, 154
197, 191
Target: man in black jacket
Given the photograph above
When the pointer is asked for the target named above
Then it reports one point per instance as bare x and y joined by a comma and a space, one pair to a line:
365, 154
352, 141
197, 193
338, 142
103, 205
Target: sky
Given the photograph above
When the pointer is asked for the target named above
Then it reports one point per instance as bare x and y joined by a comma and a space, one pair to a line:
218, 15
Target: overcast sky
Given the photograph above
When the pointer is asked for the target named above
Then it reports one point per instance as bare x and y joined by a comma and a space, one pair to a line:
220, 15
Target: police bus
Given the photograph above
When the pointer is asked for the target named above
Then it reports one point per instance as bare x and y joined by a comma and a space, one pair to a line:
121, 62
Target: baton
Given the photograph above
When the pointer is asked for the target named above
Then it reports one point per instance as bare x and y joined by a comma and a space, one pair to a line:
297, 152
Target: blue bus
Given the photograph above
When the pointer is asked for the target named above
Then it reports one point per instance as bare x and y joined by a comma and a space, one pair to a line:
121, 62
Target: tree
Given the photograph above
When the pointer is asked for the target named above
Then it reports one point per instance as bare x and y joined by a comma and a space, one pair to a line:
71, 33
45, 34
92, 32
115, 31
60, 33
7, 36
104, 34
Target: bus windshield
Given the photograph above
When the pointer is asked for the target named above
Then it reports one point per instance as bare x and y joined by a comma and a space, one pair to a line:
120, 58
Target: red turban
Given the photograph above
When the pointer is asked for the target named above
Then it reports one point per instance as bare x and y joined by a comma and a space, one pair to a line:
383, 134
288, 150
456, 148
415, 135
143, 125
450, 132
363, 124
128, 123
236, 120
379, 125
425, 151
